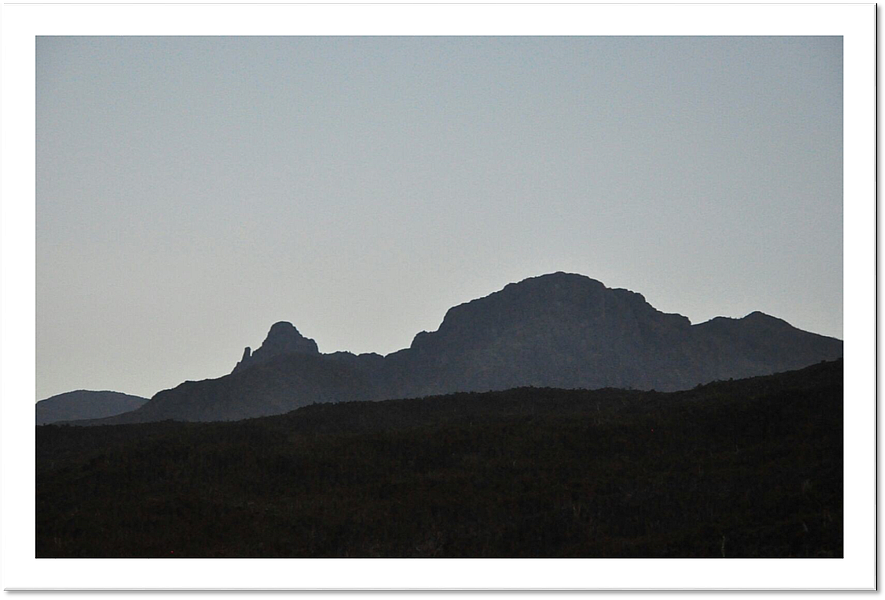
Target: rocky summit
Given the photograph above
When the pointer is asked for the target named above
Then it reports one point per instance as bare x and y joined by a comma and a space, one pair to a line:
559, 330
283, 338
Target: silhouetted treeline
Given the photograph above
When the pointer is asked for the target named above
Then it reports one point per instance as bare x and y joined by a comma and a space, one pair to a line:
749, 468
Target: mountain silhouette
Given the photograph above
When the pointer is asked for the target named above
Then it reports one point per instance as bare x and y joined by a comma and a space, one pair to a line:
282, 338
85, 404
559, 330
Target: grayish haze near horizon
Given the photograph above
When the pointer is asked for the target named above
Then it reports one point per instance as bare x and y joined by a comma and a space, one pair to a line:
193, 191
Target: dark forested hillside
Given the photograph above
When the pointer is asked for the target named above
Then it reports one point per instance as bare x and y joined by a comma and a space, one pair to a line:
744, 468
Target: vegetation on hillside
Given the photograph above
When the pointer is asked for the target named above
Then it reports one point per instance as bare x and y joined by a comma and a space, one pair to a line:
749, 468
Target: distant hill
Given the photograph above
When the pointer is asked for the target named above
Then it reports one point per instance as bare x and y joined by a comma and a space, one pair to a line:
84, 404
559, 330
743, 468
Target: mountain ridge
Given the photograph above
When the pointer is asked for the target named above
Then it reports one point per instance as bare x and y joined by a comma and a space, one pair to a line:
560, 330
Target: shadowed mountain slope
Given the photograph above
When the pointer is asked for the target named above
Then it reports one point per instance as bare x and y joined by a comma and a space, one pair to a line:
271, 387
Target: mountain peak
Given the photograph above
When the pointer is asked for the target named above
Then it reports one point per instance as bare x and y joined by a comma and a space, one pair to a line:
286, 337
282, 328
283, 338
557, 278
758, 315
285, 334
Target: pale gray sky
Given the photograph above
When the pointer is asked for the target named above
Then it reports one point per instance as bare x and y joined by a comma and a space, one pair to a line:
193, 191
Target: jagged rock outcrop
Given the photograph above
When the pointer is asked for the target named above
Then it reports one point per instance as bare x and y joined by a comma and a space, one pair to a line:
283, 338
558, 330
247, 356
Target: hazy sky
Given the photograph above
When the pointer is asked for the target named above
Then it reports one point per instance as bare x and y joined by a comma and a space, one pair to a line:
193, 191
